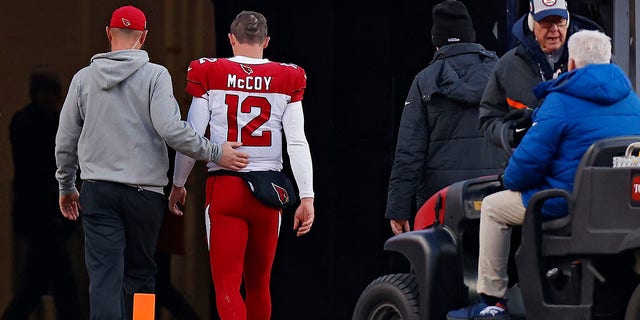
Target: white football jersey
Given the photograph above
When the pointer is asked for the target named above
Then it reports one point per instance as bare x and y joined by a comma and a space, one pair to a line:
246, 102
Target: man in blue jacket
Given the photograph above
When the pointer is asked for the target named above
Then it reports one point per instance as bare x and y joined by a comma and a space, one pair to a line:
595, 100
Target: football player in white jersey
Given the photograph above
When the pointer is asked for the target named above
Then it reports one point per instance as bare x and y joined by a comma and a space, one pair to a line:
251, 100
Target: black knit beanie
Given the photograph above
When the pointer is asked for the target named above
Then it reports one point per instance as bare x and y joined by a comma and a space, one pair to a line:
451, 24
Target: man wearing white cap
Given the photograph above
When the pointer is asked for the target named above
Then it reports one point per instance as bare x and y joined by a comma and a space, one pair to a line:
540, 55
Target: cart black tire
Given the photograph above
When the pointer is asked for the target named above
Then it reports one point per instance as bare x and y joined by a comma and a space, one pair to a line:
633, 307
390, 297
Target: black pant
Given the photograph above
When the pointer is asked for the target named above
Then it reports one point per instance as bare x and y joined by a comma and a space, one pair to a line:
121, 226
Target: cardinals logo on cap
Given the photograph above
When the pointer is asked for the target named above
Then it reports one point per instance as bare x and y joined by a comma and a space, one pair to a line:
128, 17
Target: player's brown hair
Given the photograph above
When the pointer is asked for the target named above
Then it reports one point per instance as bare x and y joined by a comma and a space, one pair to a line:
249, 27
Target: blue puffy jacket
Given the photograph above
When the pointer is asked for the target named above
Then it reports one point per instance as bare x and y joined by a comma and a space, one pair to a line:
580, 107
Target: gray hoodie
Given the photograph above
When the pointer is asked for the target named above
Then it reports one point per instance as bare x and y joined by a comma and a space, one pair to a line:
116, 121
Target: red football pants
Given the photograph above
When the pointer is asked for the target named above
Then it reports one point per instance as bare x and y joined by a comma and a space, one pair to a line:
243, 239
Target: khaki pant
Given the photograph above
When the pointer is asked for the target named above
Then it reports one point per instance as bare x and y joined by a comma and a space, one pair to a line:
499, 212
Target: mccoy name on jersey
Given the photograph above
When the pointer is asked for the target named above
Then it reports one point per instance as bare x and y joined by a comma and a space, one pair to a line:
247, 99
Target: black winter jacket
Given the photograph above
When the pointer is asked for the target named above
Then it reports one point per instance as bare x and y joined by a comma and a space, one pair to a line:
438, 141
518, 71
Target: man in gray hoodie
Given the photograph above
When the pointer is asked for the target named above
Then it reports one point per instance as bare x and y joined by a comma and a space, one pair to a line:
115, 123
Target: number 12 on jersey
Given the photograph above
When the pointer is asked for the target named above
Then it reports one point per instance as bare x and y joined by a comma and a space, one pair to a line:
249, 135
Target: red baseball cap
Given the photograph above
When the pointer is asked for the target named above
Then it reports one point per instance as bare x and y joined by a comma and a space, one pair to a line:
128, 17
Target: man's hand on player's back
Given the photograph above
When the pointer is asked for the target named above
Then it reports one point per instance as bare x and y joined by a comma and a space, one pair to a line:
231, 158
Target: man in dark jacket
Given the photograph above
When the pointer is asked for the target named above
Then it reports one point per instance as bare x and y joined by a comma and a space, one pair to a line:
440, 116
594, 100
540, 55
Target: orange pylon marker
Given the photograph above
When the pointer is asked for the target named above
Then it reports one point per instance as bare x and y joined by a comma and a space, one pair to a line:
144, 306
